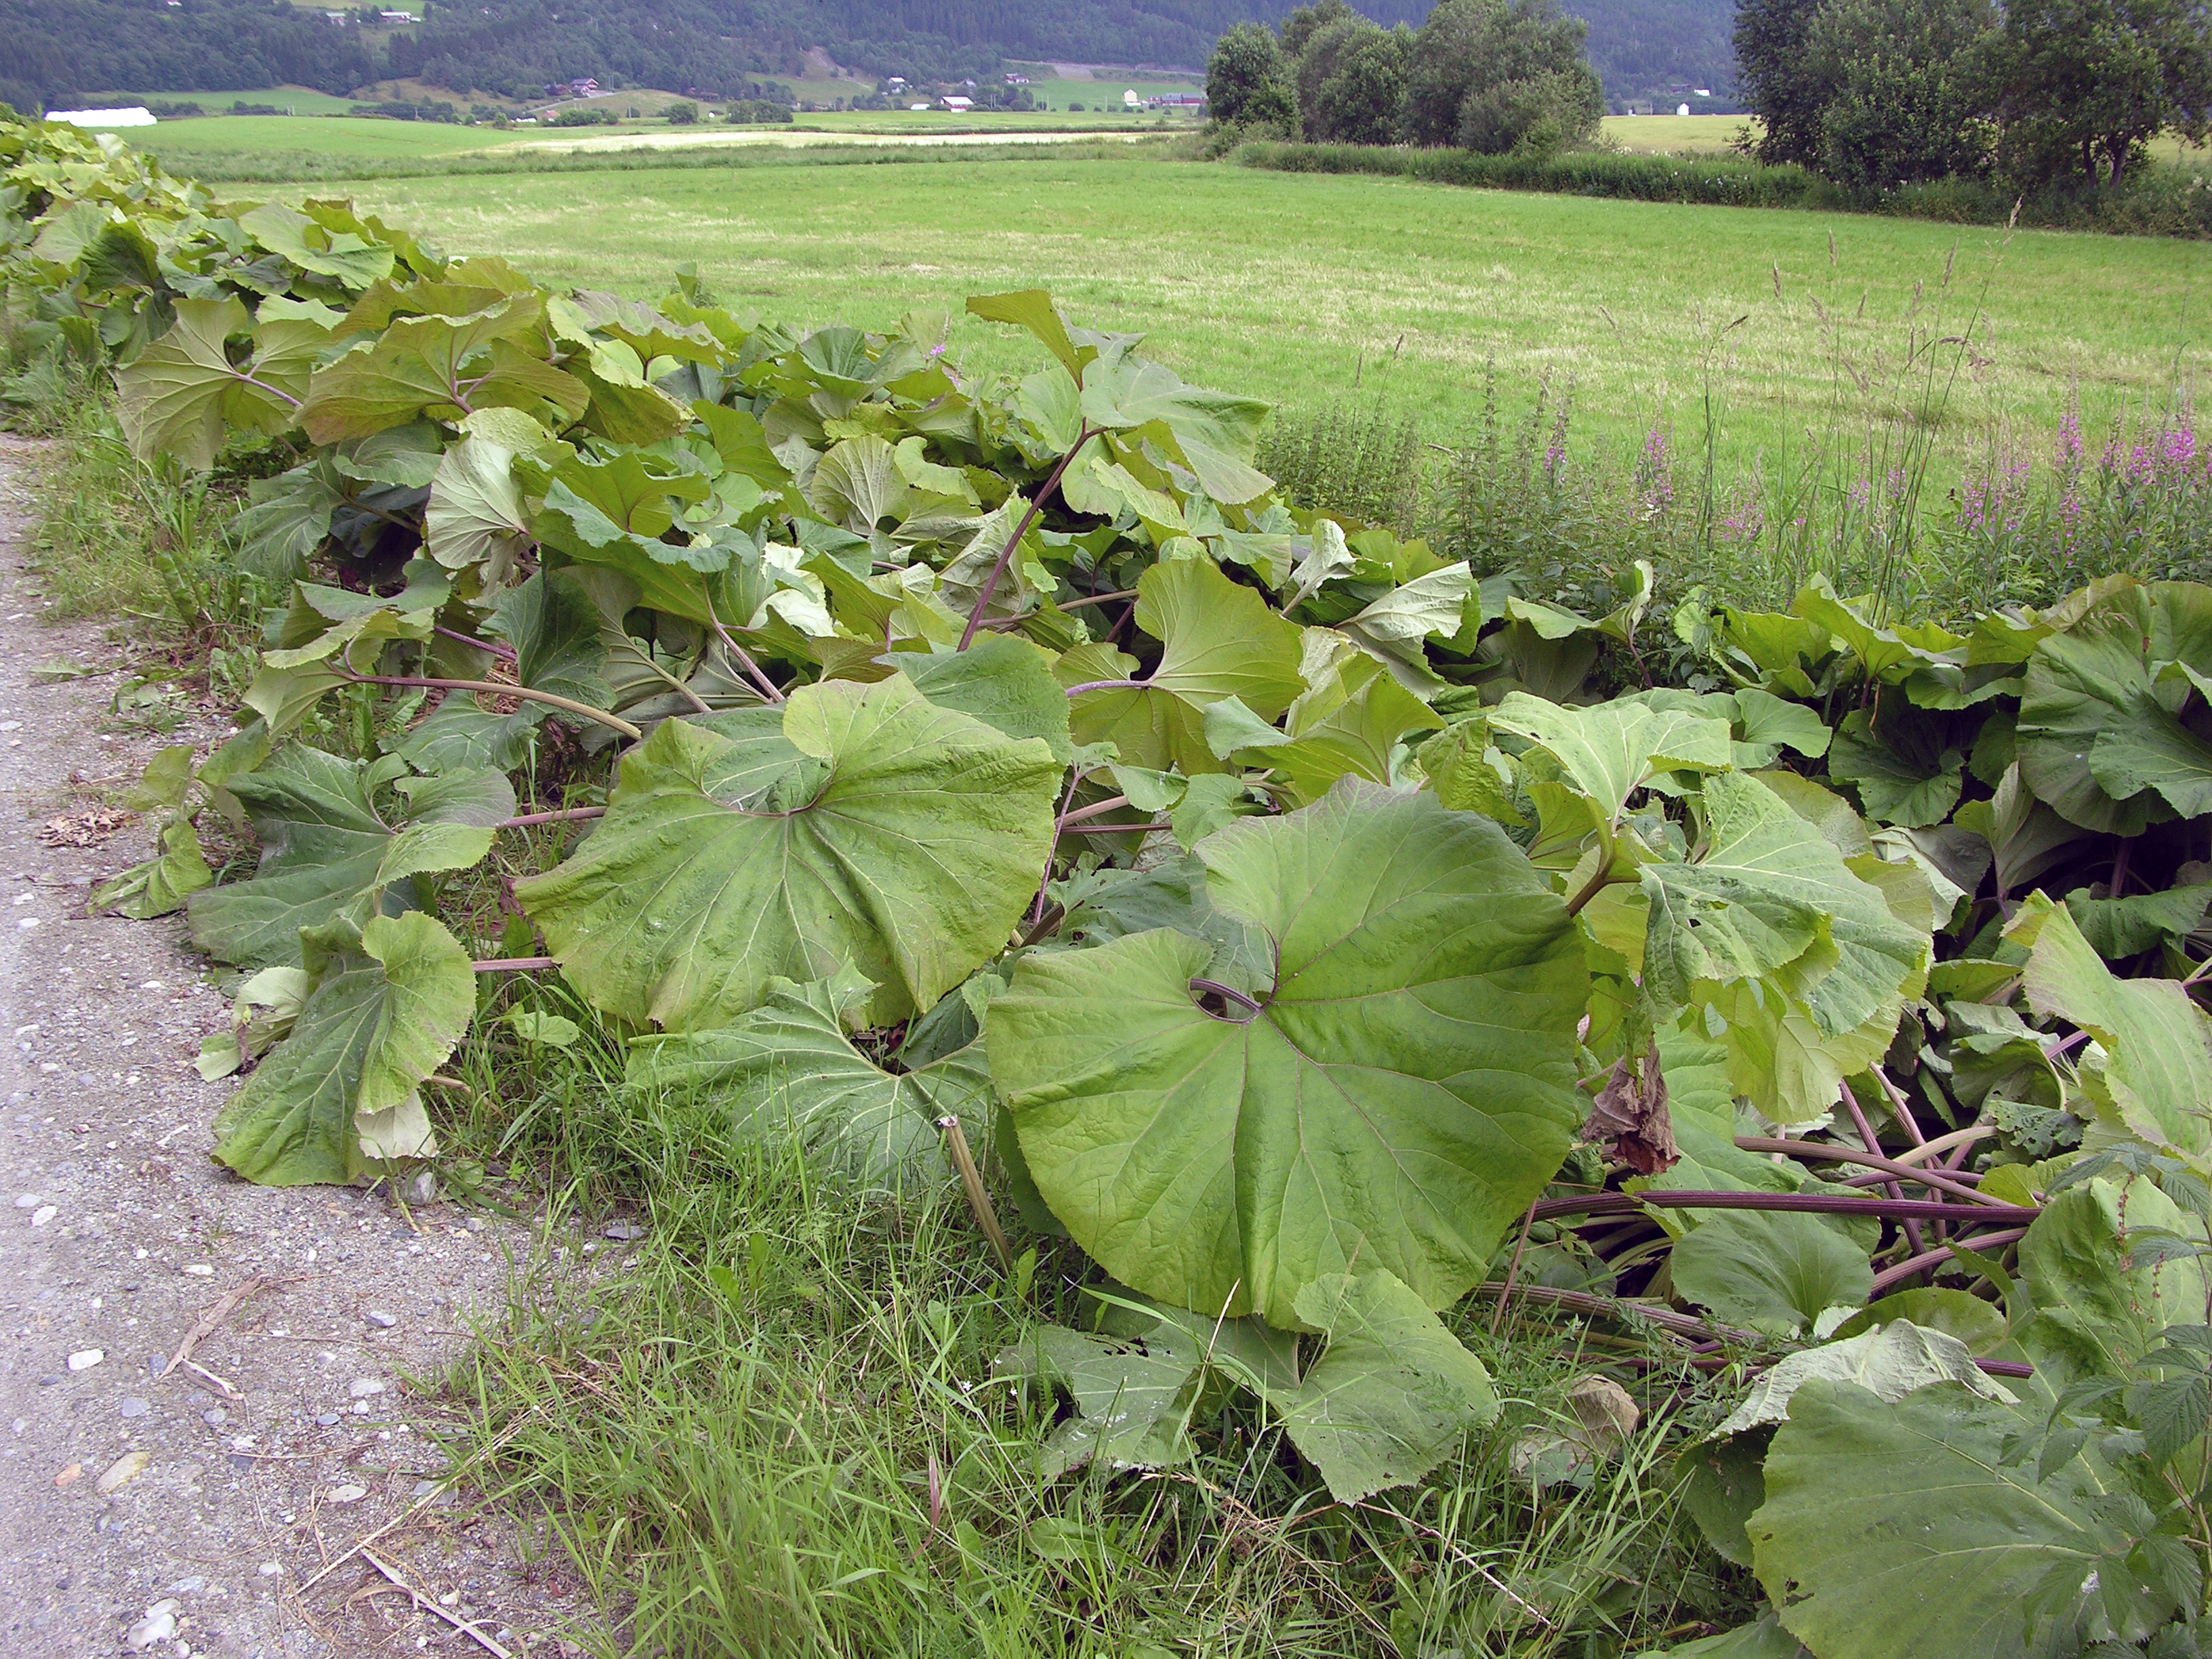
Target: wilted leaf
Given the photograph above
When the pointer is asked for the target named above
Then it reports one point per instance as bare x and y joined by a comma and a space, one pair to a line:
389, 1001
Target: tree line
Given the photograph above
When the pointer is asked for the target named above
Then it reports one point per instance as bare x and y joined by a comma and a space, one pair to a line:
1875, 95
1490, 76
1878, 93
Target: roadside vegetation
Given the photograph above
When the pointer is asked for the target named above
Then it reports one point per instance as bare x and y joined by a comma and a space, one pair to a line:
1384, 1054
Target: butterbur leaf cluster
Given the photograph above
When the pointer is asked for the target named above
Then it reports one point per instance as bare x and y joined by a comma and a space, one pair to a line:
1264, 899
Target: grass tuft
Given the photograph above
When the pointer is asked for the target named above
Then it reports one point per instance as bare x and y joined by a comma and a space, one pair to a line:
770, 1427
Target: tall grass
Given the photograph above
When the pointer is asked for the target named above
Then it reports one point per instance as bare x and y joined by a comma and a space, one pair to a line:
770, 1427
1867, 504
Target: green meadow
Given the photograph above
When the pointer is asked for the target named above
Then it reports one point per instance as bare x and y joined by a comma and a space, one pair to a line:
1309, 290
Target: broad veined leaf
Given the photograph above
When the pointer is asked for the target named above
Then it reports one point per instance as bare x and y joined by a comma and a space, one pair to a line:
645, 331
389, 1001
2119, 928
1775, 1271
1002, 680
160, 886
2097, 1312
2026, 837
1216, 433
290, 519
1133, 1394
475, 514
1895, 1530
183, 392
2100, 735
1977, 1326
788, 1065
1769, 896
1764, 1638
1392, 1394
857, 484
1351, 726
1894, 787
2156, 1078
326, 848
1889, 1362
351, 259
441, 366
1033, 309
1401, 1091
1614, 749
1219, 639
1443, 604
859, 823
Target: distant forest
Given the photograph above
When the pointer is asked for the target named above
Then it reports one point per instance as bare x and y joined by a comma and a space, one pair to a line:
57, 52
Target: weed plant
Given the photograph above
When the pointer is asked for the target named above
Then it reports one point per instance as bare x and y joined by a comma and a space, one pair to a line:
770, 1427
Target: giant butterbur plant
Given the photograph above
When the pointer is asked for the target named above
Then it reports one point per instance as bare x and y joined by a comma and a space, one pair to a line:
1293, 922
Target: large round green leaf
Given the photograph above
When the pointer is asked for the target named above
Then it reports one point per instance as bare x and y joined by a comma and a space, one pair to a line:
1403, 1092
860, 824
1898, 1529
2102, 733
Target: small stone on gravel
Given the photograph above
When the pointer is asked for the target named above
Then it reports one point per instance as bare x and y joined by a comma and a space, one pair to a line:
121, 1473
381, 1321
43, 1214
133, 1406
85, 1358
214, 1417
365, 1386
159, 1624
347, 1493
330, 1420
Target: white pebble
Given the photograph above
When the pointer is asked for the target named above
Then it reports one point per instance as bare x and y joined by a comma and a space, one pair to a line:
43, 1214
199, 1270
85, 1358
365, 1386
345, 1494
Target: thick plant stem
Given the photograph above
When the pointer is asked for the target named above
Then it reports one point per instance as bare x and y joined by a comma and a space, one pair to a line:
1007, 553
565, 815
1512, 1270
1804, 1203
493, 688
1850, 1104
513, 964
1887, 1280
971, 1182
1871, 1160
768, 687
1106, 685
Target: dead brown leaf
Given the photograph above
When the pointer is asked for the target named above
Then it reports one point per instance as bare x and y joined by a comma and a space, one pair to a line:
91, 828
1631, 1112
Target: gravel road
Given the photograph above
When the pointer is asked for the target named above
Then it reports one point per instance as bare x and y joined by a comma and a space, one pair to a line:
189, 1513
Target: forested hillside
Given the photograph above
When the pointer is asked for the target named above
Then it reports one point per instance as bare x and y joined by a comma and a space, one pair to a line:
60, 51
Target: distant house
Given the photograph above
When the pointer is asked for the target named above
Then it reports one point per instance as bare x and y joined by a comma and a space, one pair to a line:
1018, 80
1190, 100
957, 104
585, 88
895, 83
917, 106
1130, 101
135, 115
395, 16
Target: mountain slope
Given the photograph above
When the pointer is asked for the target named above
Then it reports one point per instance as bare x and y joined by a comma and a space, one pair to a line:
58, 51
